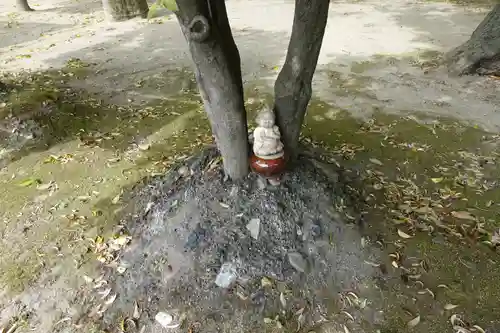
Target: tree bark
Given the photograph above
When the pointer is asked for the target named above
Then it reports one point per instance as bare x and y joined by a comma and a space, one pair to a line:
24, 6
292, 88
121, 10
481, 53
218, 74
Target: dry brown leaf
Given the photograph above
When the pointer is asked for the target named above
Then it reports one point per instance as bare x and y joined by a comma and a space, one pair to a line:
104, 293
450, 306
479, 328
414, 322
402, 234
463, 215
111, 299
137, 311
372, 264
282, 300
348, 315
84, 198
143, 146
375, 161
460, 329
266, 282
455, 320
116, 199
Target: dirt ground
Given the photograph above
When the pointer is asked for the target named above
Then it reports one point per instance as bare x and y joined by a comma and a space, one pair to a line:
113, 103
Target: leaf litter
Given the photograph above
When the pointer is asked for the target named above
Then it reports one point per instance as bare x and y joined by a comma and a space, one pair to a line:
421, 210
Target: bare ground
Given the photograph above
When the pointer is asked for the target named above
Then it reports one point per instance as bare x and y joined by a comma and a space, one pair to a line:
136, 114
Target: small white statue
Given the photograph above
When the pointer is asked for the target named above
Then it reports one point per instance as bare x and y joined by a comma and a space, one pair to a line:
267, 144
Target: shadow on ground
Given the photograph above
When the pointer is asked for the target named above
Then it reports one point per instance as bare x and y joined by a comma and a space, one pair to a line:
14, 31
56, 114
441, 25
127, 62
113, 71
77, 7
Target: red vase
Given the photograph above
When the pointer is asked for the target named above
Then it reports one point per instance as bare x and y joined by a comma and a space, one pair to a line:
268, 168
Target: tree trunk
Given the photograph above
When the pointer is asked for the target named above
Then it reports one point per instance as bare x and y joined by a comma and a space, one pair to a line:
24, 6
121, 10
481, 53
292, 89
218, 74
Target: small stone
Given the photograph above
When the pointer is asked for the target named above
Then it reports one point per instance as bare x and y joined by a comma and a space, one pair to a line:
227, 275
234, 191
164, 319
195, 237
297, 261
274, 181
184, 171
254, 227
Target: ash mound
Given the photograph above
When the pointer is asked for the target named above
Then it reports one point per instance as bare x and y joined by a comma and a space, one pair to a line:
242, 256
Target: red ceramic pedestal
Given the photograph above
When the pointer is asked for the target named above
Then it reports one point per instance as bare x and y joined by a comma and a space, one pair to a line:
268, 168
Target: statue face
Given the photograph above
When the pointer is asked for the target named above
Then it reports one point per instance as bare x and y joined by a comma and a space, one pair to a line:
265, 118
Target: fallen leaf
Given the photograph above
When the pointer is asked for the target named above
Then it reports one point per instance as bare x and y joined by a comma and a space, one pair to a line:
283, 300
403, 234
104, 293
143, 146
437, 180
479, 328
375, 161
116, 199
30, 181
460, 329
137, 311
128, 325
88, 279
84, 198
450, 306
121, 269
122, 240
463, 215
111, 299
372, 264
148, 207
348, 315
266, 282
346, 330
455, 320
414, 322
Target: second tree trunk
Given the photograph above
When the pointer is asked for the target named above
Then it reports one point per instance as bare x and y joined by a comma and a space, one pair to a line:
293, 87
23, 5
121, 10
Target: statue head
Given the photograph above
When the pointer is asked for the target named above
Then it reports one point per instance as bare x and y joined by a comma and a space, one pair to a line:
265, 117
